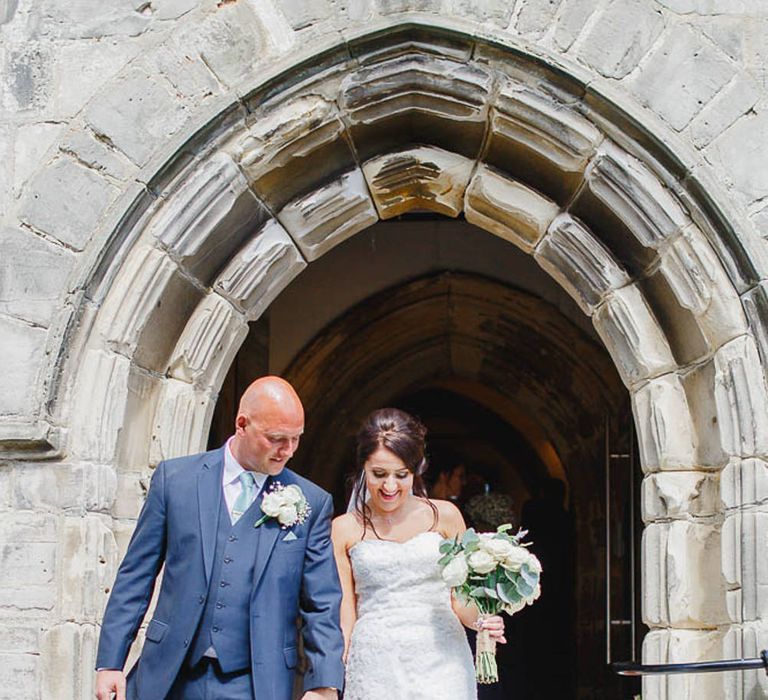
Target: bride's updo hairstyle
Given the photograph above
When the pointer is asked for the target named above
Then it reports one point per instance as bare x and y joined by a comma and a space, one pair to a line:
404, 436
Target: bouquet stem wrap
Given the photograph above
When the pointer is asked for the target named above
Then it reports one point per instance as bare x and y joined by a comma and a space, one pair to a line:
485, 658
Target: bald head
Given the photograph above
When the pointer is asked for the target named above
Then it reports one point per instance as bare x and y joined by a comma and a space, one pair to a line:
269, 423
269, 393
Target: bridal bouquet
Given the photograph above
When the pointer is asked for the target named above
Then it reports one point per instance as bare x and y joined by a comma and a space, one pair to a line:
496, 572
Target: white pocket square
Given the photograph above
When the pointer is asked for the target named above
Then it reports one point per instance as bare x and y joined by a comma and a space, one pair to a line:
289, 537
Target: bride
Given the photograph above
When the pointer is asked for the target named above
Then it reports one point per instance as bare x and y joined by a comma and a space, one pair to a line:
402, 629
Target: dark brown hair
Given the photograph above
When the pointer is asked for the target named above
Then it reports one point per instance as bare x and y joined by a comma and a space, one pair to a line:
404, 436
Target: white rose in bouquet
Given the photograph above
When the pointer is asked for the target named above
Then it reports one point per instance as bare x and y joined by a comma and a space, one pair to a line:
533, 563
456, 571
516, 557
481, 562
498, 548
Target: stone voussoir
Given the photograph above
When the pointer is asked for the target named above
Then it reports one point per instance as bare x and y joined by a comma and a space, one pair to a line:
321, 220
208, 344
633, 336
579, 262
508, 208
418, 178
260, 270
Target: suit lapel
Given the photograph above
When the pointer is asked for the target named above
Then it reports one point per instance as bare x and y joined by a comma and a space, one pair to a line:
209, 495
268, 532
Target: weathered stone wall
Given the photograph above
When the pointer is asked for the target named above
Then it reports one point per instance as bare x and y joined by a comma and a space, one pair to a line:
620, 142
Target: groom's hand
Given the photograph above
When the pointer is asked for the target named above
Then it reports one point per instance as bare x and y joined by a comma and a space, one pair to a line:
321, 694
109, 682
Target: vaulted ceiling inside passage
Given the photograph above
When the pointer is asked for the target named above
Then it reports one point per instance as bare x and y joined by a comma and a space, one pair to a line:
504, 348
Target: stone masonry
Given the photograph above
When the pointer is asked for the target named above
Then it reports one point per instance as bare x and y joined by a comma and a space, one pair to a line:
167, 167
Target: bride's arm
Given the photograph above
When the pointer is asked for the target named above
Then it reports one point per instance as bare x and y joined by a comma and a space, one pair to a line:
342, 539
451, 524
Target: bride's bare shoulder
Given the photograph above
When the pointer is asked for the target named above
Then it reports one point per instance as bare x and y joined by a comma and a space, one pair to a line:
449, 518
345, 527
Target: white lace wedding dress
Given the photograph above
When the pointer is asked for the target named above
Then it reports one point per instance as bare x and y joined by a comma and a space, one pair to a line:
407, 643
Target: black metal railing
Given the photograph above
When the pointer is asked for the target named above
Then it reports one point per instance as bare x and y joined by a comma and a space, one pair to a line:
630, 668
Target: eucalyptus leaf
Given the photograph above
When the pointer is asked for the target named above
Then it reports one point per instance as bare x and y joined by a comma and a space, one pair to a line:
470, 536
506, 592
530, 577
445, 560
523, 588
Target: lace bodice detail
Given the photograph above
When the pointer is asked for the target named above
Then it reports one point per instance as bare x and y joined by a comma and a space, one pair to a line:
398, 576
407, 641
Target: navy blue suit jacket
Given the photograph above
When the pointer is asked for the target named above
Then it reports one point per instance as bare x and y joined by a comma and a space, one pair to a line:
177, 529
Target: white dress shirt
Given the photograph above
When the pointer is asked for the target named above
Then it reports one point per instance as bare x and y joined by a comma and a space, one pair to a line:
230, 479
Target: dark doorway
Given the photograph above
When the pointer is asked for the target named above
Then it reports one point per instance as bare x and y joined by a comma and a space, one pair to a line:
507, 382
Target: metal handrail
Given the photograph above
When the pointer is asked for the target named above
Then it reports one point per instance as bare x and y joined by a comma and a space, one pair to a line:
629, 668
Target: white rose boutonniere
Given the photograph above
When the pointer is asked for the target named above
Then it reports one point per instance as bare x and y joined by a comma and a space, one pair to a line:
285, 503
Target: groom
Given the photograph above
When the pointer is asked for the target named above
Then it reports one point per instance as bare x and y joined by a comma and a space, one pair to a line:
225, 621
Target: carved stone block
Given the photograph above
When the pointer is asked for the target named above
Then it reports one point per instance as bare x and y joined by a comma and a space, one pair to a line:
693, 555
207, 216
148, 306
744, 482
579, 262
449, 98
68, 655
261, 270
628, 207
654, 575
330, 215
182, 418
508, 208
741, 398
89, 564
290, 146
748, 563
708, 442
695, 298
753, 638
418, 178
755, 303
674, 495
540, 141
208, 344
666, 437
100, 403
684, 646
632, 336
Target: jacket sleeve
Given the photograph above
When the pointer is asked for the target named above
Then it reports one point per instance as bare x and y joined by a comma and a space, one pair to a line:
135, 579
320, 603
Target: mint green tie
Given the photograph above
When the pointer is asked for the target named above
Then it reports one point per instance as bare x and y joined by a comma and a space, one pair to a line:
244, 500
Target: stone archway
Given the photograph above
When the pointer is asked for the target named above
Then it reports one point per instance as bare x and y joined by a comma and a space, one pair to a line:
422, 119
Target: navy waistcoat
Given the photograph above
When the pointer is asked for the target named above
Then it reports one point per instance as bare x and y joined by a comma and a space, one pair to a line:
225, 623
